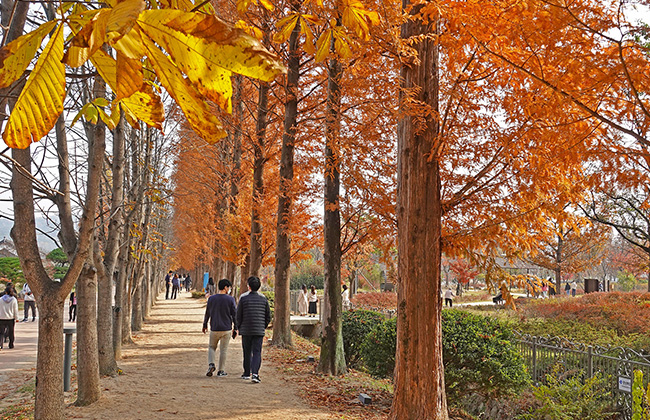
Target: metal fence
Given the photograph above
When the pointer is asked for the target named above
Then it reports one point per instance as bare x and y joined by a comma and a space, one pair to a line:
616, 364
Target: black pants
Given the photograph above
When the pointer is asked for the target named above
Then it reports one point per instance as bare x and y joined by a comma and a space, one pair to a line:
30, 304
166, 290
72, 313
448, 301
174, 291
252, 346
7, 330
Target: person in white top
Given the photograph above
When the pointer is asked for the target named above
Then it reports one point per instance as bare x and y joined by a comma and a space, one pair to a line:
303, 300
449, 295
30, 302
8, 316
345, 298
313, 301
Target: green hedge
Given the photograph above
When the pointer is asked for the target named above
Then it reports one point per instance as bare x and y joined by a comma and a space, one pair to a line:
356, 326
378, 349
478, 353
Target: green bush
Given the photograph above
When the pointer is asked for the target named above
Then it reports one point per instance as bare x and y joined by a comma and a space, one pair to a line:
196, 294
480, 356
378, 349
270, 296
478, 353
572, 398
356, 325
626, 281
297, 280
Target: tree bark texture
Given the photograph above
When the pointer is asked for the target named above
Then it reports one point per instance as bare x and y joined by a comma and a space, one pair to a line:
106, 267
119, 276
419, 371
282, 310
258, 181
332, 356
87, 353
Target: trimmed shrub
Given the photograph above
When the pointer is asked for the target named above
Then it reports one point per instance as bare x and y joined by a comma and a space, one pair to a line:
480, 356
375, 301
270, 296
378, 349
356, 325
478, 353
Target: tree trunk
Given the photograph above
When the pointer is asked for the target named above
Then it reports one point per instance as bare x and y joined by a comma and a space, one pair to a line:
419, 372
332, 356
87, 352
106, 267
558, 263
282, 312
120, 287
255, 257
136, 304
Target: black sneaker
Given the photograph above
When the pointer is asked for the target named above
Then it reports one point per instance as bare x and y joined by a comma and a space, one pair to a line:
211, 369
222, 373
244, 377
255, 379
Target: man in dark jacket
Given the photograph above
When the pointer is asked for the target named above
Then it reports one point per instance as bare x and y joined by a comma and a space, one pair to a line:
221, 314
253, 316
168, 282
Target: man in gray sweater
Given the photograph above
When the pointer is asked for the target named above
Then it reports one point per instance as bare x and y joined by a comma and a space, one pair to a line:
253, 316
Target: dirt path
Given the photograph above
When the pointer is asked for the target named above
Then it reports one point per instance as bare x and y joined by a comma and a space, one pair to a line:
164, 377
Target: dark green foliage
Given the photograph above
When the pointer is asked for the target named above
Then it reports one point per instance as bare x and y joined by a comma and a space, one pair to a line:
571, 398
59, 272
378, 349
307, 279
478, 353
356, 325
480, 356
58, 257
10, 268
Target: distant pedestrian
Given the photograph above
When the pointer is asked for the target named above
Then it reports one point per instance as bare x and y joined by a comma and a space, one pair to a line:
345, 298
8, 316
449, 296
253, 316
168, 282
574, 288
544, 291
176, 285
567, 289
209, 288
188, 283
222, 315
29, 302
72, 311
303, 300
313, 301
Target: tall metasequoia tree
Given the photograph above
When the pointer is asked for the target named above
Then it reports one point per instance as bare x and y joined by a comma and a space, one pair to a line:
332, 356
282, 321
419, 369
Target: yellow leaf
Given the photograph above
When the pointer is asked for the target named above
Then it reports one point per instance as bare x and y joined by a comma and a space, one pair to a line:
88, 40
323, 45
250, 29
146, 106
16, 56
196, 40
41, 101
130, 45
309, 37
129, 76
267, 5
122, 19
108, 119
198, 114
285, 26
106, 67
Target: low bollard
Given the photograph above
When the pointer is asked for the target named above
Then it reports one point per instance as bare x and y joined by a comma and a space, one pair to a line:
67, 358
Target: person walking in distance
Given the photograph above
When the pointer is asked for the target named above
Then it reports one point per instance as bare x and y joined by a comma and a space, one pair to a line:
168, 282
313, 301
253, 316
176, 285
8, 316
30, 303
303, 300
72, 312
449, 296
221, 313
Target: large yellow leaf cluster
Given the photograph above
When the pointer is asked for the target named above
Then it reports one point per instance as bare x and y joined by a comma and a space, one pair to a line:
192, 55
